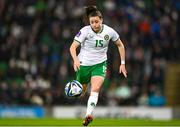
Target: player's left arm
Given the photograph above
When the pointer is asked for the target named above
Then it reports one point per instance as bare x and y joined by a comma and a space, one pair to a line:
121, 49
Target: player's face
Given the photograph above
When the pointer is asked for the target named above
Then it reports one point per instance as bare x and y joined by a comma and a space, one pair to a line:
96, 23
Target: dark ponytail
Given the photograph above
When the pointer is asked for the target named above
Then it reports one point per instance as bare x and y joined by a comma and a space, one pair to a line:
91, 11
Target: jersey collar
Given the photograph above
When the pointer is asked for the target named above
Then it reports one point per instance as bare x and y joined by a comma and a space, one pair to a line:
100, 30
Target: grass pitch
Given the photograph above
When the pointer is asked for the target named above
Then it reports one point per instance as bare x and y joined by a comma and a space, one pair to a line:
78, 122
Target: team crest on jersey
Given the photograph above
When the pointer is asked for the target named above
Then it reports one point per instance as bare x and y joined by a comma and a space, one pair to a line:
106, 37
78, 34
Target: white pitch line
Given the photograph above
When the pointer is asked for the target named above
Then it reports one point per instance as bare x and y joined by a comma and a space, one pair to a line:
90, 126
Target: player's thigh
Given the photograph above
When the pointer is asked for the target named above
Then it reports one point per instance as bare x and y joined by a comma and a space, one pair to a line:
83, 75
98, 75
96, 83
99, 69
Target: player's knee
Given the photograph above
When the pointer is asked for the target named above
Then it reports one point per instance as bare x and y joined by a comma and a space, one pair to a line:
95, 89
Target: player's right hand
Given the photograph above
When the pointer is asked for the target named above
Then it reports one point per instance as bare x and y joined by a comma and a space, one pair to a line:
76, 64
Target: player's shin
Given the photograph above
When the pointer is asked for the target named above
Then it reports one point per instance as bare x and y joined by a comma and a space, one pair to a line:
92, 101
84, 90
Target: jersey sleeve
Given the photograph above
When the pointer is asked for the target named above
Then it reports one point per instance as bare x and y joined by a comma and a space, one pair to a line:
114, 35
81, 35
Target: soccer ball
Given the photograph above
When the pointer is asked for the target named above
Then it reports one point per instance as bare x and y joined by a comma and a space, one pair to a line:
73, 89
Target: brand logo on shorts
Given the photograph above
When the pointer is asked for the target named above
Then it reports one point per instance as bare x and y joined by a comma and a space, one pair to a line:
106, 37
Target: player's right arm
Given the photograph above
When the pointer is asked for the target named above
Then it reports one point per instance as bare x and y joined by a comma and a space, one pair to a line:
73, 53
78, 39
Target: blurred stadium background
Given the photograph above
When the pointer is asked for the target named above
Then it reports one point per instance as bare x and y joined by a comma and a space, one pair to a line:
35, 63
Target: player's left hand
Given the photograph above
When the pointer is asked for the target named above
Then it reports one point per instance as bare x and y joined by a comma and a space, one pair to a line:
122, 69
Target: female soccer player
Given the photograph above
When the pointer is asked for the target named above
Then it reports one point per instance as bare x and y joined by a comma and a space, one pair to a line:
90, 65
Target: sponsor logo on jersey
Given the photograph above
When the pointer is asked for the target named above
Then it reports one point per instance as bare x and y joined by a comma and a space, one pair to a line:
106, 37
